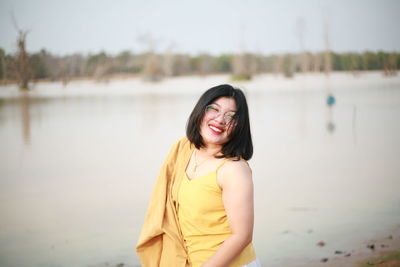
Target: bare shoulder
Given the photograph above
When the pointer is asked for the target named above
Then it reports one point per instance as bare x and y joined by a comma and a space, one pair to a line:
235, 172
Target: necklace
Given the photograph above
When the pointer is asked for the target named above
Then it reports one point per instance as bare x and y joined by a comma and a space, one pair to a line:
195, 161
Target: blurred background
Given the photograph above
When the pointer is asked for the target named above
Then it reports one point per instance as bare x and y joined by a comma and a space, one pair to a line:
94, 93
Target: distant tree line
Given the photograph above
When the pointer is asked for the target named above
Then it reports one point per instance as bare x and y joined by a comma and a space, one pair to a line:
155, 66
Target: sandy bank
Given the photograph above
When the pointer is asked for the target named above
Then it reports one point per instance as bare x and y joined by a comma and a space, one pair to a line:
366, 253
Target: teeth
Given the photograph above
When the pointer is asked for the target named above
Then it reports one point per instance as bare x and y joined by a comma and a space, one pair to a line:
215, 129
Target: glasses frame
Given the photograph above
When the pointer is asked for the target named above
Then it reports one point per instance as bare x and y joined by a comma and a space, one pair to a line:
227, 118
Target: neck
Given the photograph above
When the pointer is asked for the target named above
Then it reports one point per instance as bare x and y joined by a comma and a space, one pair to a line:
211, 150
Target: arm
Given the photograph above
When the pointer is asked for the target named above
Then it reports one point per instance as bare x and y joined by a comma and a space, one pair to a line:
236, 181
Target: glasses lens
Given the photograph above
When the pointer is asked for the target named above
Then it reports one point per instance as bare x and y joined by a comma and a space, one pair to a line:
229, 116
211, 109
214, 111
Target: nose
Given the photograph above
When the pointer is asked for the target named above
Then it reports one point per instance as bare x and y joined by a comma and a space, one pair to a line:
220, 118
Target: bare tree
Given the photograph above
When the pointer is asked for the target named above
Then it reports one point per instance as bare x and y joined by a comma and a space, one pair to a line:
316, 62
205, 64
242, 62
327, 58
152, 68
22, 67
169, 60
241, 68
300, 30
3, 65
389, 65
277, 63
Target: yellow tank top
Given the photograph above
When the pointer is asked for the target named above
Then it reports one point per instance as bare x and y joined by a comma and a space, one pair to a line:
203, 220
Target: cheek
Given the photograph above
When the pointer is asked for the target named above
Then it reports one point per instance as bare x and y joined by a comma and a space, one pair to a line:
203, 125
231, 128
204, 121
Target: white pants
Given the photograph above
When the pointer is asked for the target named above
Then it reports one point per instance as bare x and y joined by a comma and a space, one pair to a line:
255, 263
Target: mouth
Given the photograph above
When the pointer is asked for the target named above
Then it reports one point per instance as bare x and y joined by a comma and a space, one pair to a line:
215, 129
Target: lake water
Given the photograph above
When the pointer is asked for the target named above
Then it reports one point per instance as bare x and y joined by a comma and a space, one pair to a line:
78, 163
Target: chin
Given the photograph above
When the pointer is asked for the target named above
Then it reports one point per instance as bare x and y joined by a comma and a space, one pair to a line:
215, 140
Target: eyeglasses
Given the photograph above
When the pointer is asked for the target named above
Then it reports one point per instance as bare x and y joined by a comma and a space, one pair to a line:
214, 112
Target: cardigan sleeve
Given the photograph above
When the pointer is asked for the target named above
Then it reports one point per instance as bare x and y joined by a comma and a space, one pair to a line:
159, 237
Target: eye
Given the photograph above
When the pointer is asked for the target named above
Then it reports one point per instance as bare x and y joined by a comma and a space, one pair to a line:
211, 108
230, 115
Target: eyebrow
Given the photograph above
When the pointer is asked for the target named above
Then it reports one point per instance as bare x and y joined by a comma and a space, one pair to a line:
214, 103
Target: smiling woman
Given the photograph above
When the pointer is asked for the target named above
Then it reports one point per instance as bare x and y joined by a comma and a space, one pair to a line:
201, 212
216, 129
230, 131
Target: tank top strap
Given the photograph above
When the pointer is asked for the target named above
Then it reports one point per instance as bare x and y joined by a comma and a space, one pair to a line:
222, 163
229, 159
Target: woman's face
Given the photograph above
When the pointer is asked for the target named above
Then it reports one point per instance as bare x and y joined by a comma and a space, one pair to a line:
215, 127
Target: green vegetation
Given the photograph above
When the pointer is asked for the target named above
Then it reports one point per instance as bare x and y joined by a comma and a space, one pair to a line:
389, 259
244, 77
44, 65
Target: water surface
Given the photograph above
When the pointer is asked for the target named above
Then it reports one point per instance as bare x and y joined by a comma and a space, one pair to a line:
78, 164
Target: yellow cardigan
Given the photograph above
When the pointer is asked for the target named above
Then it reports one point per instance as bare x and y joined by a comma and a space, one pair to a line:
161, 243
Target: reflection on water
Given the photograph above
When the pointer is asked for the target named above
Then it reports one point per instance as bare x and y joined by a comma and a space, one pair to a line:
354, 125
25, 118
77, 170
330, 101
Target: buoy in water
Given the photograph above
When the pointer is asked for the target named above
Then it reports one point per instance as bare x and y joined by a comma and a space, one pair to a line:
330, 100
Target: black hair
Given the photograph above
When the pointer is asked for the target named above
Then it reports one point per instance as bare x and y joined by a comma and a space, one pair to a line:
240, 144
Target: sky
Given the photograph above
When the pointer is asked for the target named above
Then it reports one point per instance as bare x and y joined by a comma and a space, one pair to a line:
203, 26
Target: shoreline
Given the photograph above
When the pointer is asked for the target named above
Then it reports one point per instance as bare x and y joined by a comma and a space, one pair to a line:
337, 82
362, 256
369, 253
139, 76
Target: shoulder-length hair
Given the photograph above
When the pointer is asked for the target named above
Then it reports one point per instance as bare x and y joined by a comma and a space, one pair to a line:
240, 144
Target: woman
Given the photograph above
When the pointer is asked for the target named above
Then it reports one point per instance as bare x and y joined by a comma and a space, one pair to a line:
201, 210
